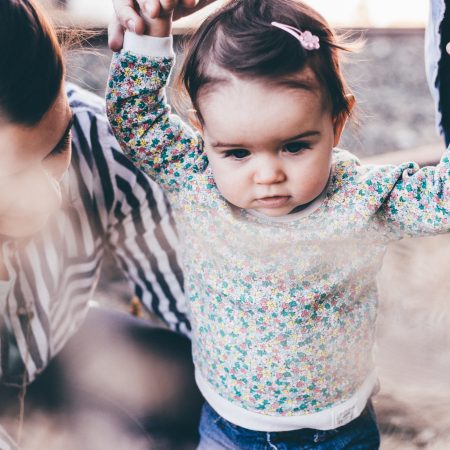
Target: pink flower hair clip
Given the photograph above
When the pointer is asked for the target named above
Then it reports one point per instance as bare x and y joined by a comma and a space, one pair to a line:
307, 40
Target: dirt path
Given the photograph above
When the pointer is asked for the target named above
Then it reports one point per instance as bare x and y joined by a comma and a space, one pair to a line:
413, 353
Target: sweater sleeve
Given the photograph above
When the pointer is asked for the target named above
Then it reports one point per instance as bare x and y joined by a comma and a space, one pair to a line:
419, 202
155, 140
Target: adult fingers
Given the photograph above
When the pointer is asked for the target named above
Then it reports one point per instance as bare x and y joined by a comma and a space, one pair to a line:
128, 16
188, 7
189, 3
115, 35
150, 8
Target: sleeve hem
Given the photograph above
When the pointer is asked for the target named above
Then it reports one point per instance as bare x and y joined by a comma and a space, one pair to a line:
159, 47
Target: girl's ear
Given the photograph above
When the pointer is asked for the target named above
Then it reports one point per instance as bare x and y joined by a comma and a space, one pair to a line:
194, 120
340, 121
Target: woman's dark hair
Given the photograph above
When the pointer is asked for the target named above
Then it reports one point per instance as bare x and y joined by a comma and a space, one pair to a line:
239, 38
31, 63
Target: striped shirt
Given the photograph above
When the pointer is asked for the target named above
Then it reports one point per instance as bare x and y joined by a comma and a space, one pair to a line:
108, 204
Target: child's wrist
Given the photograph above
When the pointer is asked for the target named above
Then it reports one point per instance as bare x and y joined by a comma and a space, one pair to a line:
151, 46
160, 27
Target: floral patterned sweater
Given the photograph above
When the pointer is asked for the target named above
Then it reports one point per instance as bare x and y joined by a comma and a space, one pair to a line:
283, 309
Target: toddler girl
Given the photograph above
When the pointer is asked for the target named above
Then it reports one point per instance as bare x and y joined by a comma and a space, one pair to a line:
283, 233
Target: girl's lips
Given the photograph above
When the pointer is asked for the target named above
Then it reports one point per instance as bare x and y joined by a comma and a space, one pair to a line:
274, 202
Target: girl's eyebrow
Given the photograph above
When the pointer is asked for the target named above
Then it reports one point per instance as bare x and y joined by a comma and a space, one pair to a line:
64, 136
303, 135
224, 144
298, 136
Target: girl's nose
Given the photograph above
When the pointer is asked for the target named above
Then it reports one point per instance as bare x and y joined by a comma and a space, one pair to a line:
269, 172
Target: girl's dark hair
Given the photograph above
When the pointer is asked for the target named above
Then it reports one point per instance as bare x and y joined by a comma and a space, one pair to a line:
31, 63
239, 38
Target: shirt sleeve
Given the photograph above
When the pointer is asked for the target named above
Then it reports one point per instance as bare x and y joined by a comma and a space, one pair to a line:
155, 140
419, 202
128, 211
138, 227
6, 442
5, 287
9, 352
144, 241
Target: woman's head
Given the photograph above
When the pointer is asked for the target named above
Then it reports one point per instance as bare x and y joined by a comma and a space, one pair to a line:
270, 110
32, 63
34, 118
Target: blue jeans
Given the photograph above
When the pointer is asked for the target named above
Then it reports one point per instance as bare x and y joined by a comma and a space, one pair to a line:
216, 433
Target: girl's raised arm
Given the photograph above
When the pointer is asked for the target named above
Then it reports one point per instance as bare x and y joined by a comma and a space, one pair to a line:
158, 142
128, 18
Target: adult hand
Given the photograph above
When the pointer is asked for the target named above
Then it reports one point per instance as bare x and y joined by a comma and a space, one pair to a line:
132, 15
184, 9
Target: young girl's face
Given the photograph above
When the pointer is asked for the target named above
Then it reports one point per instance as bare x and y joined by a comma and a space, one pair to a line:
269, 145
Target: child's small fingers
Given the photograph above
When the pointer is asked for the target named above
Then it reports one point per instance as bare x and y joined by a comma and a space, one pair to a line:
115, 35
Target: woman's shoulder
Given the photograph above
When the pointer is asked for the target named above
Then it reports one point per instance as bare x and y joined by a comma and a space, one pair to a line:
81, 99
92, 136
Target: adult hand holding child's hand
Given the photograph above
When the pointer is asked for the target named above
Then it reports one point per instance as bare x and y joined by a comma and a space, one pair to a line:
134, 15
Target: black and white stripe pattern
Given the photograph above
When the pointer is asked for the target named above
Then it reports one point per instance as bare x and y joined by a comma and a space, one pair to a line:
108, 204
6, 443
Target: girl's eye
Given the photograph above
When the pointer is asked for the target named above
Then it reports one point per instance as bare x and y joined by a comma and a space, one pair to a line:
237, 153
295, 147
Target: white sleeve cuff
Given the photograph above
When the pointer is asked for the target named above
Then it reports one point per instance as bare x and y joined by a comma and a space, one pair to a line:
159, 47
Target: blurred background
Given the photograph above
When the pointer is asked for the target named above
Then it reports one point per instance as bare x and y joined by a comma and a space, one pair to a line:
366, 13
396, 123
395, 111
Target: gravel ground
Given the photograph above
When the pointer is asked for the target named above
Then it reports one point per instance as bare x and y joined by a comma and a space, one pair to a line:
396, 112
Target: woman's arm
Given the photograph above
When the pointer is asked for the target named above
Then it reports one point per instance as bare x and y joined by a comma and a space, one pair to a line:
136, 223
3, 272
6, 442
143, 240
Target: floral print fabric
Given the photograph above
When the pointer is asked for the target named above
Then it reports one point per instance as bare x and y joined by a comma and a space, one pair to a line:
283, 312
